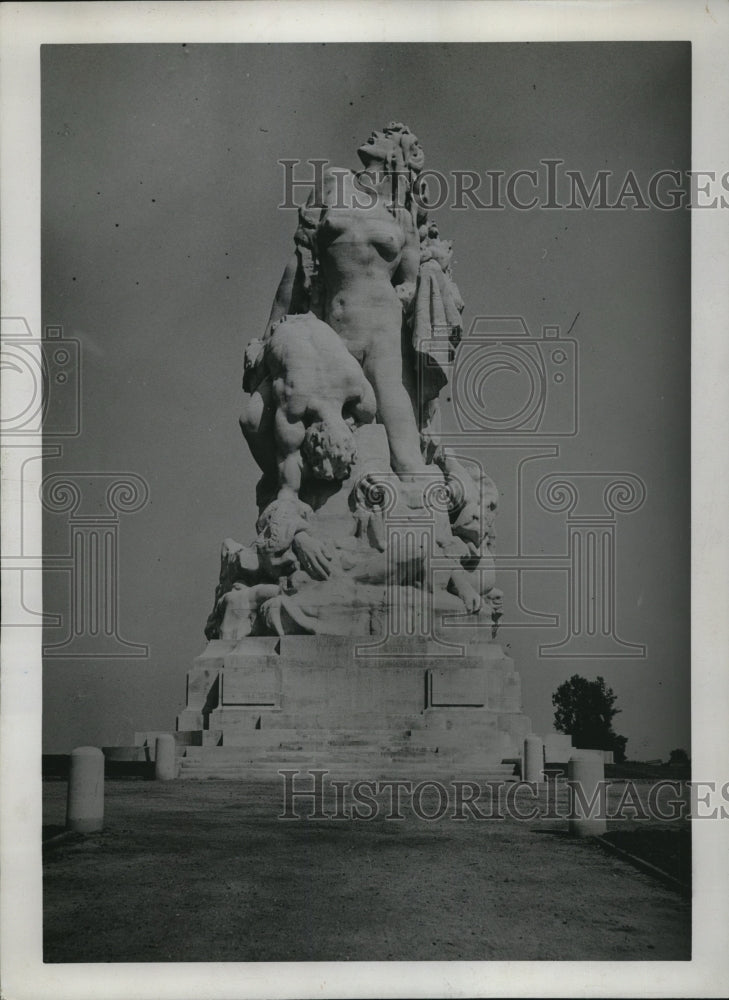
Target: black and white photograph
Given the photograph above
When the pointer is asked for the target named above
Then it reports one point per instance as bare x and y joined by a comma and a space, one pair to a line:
362, 488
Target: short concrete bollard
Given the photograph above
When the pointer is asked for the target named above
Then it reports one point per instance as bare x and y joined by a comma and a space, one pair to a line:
586, 769
533, 759
165, 767
85, 803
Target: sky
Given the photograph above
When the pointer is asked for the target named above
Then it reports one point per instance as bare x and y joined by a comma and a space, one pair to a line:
163, 244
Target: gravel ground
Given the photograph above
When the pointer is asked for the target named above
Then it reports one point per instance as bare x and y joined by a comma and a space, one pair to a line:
203, 871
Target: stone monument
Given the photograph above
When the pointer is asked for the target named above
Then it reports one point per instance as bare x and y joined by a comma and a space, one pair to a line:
355, 629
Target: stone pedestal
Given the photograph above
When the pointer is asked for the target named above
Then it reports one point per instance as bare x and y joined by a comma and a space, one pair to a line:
265, 703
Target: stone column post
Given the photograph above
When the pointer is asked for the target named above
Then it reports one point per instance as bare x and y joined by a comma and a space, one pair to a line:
533, 759
588, 794
85, 804
165, 766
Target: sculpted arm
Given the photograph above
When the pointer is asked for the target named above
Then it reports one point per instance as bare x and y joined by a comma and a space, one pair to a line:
406, 276
294, 290
286, 294
289, 436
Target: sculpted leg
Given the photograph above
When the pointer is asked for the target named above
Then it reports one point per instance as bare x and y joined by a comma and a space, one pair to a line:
256, 422
396, 413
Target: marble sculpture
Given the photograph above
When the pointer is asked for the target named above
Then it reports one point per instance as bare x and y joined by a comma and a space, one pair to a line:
342, 416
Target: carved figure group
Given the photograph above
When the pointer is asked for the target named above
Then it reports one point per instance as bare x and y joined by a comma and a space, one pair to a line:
363, 328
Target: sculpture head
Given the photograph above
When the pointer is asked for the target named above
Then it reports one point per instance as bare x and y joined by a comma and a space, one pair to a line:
474, 512
329, 449
245, 564
394, 148
432, 247
276, 528
468, 525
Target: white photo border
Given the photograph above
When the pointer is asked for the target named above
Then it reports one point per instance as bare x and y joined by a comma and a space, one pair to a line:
24, 28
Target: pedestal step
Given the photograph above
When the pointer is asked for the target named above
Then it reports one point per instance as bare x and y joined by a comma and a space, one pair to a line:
416, 753
382, 771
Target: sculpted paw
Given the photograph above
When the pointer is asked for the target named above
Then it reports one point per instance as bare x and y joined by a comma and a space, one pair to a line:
472, 600
460, 585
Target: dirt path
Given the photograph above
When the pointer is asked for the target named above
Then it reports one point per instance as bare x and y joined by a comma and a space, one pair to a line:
205, 871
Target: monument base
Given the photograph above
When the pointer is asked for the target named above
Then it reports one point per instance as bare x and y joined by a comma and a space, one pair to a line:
363, 707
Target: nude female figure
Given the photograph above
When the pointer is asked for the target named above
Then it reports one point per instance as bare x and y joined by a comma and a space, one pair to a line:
356, 269
365, 253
